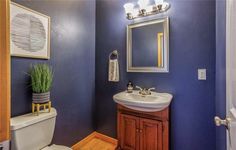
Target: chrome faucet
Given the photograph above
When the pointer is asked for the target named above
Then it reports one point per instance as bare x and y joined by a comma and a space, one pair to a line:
144, 91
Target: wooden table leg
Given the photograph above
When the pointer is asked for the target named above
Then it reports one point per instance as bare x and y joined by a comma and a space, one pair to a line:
44, 107
38, 108
49, 106
33, 107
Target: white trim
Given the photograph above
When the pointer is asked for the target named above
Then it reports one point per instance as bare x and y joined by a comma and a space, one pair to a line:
228, 93
229, 105
227, 66
228, 58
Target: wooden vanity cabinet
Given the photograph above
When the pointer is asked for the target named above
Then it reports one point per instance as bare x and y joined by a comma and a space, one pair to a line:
141, 130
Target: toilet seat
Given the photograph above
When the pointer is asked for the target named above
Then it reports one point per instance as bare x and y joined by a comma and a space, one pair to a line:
56, 147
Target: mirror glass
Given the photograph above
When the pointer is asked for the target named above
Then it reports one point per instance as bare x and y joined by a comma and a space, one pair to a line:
147, 46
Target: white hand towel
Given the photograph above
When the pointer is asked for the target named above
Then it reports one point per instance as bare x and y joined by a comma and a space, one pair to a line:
113, 73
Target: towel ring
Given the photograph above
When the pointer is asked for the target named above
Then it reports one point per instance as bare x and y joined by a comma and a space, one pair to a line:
115, 53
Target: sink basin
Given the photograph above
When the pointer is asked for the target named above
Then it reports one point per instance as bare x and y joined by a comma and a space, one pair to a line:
149, 103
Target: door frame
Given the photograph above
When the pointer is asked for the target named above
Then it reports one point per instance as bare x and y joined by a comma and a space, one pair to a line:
229, 26
4, 70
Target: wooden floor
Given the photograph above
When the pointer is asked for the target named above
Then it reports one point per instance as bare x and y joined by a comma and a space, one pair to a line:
98, 144
96, 141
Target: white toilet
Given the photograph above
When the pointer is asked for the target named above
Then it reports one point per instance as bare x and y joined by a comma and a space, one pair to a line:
31, 132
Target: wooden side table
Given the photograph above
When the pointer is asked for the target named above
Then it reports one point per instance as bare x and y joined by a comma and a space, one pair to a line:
39, 105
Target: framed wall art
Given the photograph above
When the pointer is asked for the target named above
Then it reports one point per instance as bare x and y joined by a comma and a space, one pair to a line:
29, 33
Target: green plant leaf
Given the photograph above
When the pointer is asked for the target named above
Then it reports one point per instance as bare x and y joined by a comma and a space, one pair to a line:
41, 78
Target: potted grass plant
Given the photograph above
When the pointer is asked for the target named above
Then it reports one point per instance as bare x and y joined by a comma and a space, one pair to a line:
41, 82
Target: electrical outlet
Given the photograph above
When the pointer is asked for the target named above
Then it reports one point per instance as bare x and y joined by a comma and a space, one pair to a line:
201, 74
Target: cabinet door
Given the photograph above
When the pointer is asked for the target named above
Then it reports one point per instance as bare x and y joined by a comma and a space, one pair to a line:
129, 130
150, 134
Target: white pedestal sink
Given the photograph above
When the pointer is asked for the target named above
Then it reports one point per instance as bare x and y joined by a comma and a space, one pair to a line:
148, 103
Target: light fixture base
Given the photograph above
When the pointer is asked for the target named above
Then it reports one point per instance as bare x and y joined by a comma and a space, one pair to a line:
156, 9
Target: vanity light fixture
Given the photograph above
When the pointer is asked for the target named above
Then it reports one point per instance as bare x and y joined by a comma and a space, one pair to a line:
145, 9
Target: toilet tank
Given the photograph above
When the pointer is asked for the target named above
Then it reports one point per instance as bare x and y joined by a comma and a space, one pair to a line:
32, 132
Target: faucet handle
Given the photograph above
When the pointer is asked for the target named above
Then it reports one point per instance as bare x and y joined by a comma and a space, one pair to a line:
151, 89
138, 87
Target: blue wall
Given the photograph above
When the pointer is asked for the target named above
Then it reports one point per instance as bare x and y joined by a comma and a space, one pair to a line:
192, 38
192, 46
73, 61
220, 71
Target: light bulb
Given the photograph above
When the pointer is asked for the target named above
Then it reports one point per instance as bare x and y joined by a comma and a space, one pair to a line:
159, 2
143, 4
129, 7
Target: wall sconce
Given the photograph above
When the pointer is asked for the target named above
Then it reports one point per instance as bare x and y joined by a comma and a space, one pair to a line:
145, 9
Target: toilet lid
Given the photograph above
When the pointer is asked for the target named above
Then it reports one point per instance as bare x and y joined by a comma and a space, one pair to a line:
56, 147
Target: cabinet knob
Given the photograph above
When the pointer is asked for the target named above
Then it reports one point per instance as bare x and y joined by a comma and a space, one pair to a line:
137, 130
140, 131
